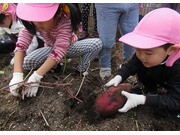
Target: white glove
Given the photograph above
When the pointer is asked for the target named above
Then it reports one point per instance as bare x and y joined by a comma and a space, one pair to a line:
115, 81
17, 77
133, 100
29, 92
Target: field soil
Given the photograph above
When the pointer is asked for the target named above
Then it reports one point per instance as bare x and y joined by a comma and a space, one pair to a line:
55, 110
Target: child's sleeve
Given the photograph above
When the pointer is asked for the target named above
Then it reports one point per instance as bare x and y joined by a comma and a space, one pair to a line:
171, 99
24, 40
63, 40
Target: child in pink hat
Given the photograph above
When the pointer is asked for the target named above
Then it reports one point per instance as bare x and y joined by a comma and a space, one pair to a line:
156, 62
56, 23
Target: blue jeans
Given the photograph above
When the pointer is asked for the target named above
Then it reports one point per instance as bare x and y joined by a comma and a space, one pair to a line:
109, 16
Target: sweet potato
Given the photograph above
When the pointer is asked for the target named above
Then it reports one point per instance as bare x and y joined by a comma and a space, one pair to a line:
108, 102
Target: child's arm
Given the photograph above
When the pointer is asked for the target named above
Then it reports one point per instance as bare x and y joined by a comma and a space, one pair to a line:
21, 47
38, 75
48, 64
18, 61
18, 72
171, 99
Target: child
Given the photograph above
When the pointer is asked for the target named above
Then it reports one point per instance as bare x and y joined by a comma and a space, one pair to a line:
6, 13
10, 24
53, 23
156, 61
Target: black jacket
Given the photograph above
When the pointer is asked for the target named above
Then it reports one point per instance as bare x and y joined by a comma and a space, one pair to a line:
166, 77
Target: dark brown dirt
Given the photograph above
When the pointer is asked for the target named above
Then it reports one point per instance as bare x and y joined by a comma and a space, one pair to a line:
66, 114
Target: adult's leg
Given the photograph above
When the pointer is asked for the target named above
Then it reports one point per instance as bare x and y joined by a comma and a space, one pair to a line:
127, 23
107, 20
85, 15
95, 18
84, 18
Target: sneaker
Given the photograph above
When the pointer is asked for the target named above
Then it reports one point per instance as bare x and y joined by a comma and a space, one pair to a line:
95, 35
77, 72
105, 73
83, 35
85, 73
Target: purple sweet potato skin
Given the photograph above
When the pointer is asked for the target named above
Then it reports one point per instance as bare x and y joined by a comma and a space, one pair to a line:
108, 102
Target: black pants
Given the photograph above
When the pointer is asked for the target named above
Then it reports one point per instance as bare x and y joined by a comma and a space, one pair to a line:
85, 16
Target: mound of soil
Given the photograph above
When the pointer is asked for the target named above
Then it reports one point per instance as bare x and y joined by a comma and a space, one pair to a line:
56, 110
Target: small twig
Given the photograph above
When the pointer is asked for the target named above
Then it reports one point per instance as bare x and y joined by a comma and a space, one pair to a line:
82, 81
92, 70
4, 88
72, 96
44, 118
23, 92
28, 74
137, 125
45, 83
79, 124
80, 86
3, 126
66, 77
22, 86
65, 64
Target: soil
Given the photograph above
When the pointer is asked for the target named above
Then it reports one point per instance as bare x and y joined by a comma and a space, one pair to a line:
55, 110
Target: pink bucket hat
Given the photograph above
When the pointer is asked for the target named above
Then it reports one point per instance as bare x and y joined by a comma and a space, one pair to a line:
36, 11
11, 9
157, 28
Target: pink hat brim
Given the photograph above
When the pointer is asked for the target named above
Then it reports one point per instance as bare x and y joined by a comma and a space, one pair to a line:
140, 41
39, 14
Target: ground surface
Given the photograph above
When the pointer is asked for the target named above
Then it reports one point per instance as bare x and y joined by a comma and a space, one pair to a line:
63, 113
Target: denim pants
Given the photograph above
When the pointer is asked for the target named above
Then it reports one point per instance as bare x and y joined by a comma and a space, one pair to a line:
109, 16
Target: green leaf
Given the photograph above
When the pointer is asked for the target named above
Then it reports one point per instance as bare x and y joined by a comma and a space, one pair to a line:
1, 72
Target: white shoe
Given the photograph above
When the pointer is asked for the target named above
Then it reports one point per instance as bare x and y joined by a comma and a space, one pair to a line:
105, 73
85, 73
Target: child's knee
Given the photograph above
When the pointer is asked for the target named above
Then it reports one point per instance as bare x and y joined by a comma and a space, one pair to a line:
98, 44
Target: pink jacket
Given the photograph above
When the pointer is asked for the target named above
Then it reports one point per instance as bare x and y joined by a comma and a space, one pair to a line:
60, 36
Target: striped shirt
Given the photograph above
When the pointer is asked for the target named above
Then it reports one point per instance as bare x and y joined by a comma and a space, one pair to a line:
60, 36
